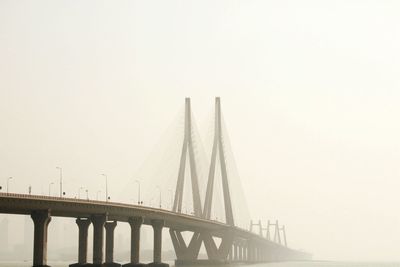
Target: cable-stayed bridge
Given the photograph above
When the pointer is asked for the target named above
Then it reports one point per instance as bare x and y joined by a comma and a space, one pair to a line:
225, 240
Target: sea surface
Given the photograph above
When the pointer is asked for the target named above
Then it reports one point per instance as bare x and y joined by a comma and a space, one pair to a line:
280, 264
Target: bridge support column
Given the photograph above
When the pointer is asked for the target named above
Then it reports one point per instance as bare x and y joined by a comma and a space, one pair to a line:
245, 252
240, 252
110, 227
135, 223
83, 226
260, 253
230, 255
41, 220
236, 249
250, 252
98, 238
157, 229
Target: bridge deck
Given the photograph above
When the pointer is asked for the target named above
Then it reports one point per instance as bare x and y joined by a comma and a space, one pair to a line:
11, 203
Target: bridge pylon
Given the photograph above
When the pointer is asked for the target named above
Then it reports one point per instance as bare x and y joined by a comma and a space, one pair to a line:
218, 253
187, 252
187, 147
218, 149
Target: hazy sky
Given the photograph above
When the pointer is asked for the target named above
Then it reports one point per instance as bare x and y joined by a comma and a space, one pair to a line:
310, 93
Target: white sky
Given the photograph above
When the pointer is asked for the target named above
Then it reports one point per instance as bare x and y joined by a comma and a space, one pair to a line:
310, 93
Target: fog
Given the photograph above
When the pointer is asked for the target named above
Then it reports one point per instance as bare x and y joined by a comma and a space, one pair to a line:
309, 91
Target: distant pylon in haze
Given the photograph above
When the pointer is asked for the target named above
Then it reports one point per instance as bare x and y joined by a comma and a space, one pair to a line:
187, 147
277, 235
218, 148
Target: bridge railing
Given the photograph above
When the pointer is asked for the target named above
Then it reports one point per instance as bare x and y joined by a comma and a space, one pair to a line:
128, 205
100, 202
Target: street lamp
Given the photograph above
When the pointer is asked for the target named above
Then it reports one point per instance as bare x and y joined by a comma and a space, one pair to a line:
159, 189
79, 192
138, 182
61, 180
97, 194
172, 201
8, 180
50, 184
106, 186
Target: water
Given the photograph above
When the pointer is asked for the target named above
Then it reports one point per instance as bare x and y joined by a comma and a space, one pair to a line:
280, 264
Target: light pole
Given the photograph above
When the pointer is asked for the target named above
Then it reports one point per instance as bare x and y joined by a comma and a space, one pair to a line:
159, 189
106, 186
172, 201
138, 182
50, 184
97, 194
61, 180
79, 192
8, 180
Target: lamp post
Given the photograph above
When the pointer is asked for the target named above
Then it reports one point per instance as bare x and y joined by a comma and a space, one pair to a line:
61, 181
50, 184
138, 182
97, 194
106, 186
172, 201
8, 180
159, 189
79, 192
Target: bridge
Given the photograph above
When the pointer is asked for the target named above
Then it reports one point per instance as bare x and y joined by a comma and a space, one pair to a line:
236, 243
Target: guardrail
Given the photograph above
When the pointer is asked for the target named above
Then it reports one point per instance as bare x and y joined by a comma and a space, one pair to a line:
108, 203
127, 205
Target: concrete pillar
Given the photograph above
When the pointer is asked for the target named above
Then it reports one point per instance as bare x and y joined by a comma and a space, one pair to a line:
98, 237
260, 253
41, 220
251, 254
240, 252
83, 227
110, 227
157, 229
235, 249
230, 255
135, 223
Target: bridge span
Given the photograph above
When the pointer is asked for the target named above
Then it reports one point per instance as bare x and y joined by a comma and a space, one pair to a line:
245, 246
237, 244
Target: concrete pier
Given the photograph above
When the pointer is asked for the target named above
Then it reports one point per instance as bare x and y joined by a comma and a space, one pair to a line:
240, 252
157, 247
110, 227
136, 224
83, 227
236, 247
41, 220
98, 239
